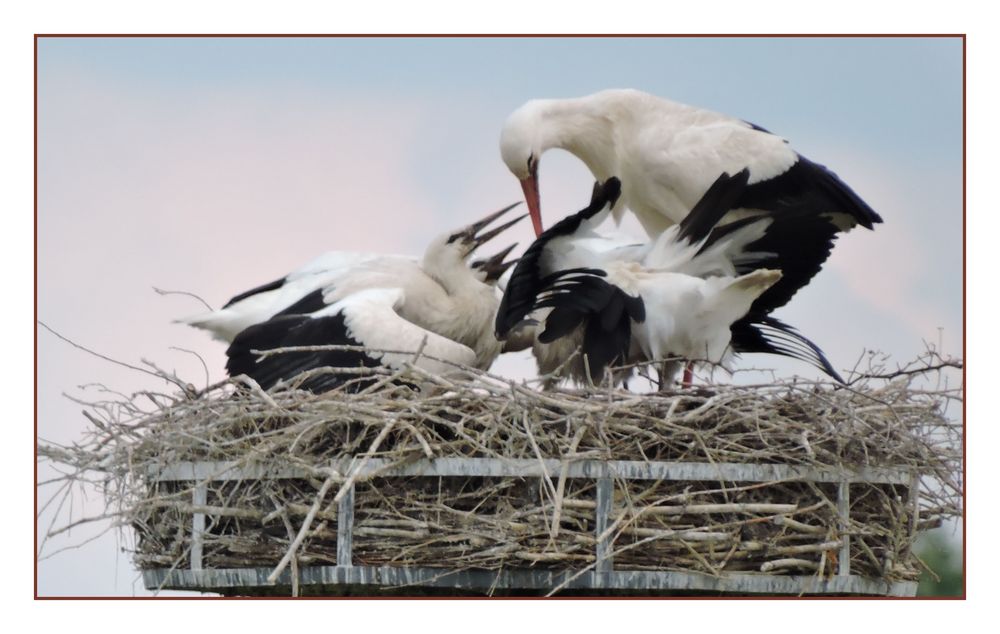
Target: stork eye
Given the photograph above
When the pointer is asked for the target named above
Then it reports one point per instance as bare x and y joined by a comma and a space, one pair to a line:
453, 237
532, 163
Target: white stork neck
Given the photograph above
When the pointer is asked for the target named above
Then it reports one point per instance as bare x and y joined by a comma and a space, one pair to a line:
465, 311
582, 129
458, 282
446, 267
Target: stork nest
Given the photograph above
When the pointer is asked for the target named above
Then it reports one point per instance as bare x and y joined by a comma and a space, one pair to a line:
884, 419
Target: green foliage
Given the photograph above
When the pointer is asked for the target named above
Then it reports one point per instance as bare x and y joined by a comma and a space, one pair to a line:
943, 555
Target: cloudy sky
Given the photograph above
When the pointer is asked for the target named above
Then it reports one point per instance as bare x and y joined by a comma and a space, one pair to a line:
214, 165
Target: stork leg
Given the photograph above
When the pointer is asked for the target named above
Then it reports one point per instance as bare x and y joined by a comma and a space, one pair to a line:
688, 374
667, 373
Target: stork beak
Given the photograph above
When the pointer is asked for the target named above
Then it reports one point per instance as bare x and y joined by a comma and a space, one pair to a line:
494, 266
498, 258
469, 234
529, 186
501, 268
492, 233
477, 226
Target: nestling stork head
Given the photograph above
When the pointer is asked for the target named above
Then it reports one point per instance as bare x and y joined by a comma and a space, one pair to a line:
446, 256
468, 239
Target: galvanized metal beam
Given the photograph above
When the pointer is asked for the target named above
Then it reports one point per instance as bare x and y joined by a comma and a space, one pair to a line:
331, 577
844, 510
605, 494
199, 498
345, 528
533, 468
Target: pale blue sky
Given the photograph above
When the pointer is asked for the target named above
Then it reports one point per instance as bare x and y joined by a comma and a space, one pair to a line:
213, 165
881, 89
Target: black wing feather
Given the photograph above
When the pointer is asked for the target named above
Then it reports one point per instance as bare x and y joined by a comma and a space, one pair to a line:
720, 198
526, 282
800, 244
608, 312
772, 336
263, 288
808, 187
562, 321
307, 305
297, 330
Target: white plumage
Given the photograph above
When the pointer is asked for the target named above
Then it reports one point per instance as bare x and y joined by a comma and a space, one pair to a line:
263, 302
338, 273
690, 294
667, 154
373, 318
381, 302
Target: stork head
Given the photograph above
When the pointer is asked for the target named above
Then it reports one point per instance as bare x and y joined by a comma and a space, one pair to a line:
449, 252
521, 149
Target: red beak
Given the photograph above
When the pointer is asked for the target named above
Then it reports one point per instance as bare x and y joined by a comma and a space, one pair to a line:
530, 187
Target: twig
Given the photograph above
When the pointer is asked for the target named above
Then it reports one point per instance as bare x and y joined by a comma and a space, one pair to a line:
162, 292
306, 523
109, 359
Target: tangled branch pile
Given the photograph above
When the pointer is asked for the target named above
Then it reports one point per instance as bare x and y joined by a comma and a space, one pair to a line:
895, 420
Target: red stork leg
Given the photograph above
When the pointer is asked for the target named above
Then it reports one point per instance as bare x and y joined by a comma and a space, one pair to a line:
688, 374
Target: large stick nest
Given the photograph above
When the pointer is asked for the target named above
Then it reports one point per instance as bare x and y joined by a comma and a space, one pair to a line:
895, 419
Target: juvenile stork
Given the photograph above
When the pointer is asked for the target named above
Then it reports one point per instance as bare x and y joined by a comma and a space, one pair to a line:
334, 269
391, 305
666, 155
699, 292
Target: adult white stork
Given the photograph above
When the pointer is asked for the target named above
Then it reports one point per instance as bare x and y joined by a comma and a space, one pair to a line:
666, 155
336, 268
698, 292
440, 306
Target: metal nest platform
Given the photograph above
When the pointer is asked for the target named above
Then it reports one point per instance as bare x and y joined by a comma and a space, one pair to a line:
601, 566
483, 486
